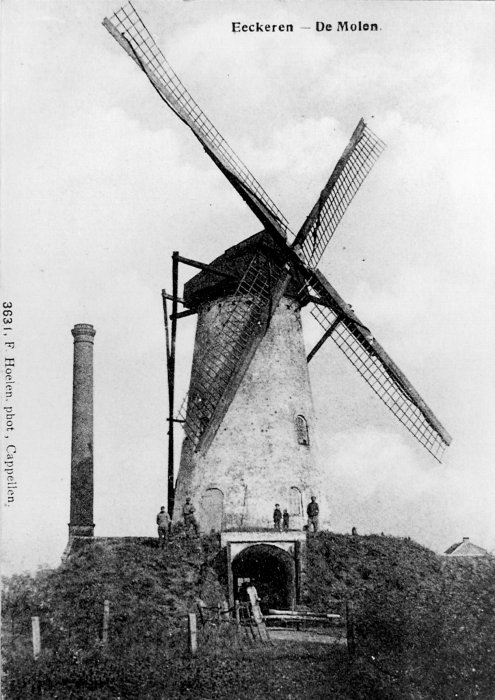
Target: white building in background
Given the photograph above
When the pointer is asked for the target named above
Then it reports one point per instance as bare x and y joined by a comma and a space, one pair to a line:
466, 549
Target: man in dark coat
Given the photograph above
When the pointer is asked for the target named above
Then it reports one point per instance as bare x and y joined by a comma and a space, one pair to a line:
313, 511
190, 521
277, 517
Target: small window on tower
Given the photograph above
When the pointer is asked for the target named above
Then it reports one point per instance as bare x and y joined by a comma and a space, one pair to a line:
295, 501
302, 430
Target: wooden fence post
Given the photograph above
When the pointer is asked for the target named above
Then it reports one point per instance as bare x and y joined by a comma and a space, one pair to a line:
203, 614
230, 575
237, 613
225, 611
106, 621
351, 636
192, 634
297, 567
35, 623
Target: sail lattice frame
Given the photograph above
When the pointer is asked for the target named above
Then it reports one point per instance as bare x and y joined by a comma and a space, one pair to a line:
127, 27
180, 416
222, 356
245, 326
356, 162
363, 351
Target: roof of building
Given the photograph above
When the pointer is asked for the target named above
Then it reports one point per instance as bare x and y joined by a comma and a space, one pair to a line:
465, 549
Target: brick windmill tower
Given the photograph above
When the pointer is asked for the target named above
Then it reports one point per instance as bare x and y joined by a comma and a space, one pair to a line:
249, 416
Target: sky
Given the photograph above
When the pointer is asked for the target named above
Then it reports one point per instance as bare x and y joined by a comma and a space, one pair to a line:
100, 183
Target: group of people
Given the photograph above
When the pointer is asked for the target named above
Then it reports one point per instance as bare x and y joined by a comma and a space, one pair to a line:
163, 522
281, 519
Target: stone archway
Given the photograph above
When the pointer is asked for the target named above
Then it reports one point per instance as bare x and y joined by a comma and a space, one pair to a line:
272, 571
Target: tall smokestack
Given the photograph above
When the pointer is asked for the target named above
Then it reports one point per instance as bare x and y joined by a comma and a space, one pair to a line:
81, 476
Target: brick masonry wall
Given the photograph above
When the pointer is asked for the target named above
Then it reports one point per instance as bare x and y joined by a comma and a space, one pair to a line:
81, 493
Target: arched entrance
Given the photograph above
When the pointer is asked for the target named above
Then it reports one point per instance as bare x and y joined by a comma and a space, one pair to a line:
272, 571
212, 510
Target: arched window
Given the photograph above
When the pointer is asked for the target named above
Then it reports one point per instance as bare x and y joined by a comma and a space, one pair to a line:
295, 501
302, 430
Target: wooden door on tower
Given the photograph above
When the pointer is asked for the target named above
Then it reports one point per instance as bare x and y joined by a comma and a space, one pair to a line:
212, 511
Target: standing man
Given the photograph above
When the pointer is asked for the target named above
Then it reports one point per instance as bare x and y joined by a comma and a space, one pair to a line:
254, 601
277, 517
163, 522
285, 520
313, 511
188, 511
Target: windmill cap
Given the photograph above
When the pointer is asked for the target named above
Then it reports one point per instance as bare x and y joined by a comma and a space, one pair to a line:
208, 286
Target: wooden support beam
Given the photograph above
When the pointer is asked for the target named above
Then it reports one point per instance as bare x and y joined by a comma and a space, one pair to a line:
324, 337
170, 387
166, 296
230, 575
171, 298
206, 268
316, 300
173, 335
183, 314
297, 566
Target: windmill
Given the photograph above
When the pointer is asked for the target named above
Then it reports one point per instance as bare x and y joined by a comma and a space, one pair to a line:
249, 415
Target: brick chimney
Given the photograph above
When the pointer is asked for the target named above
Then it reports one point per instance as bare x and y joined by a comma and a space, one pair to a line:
81, 481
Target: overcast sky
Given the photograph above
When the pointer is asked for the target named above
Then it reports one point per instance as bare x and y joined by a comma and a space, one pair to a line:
101, 182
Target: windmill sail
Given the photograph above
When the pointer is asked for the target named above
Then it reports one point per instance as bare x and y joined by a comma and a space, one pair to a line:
356, 162
227, 353
129, 31
378, 369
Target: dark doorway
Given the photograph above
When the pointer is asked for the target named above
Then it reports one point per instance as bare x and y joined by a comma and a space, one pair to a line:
271, 569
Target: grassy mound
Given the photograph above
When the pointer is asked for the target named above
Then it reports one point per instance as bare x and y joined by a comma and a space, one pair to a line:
150, 592
347, 567
424, 626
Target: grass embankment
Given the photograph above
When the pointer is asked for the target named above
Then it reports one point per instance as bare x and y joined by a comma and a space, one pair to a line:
150, 592
425, 625
425, 628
